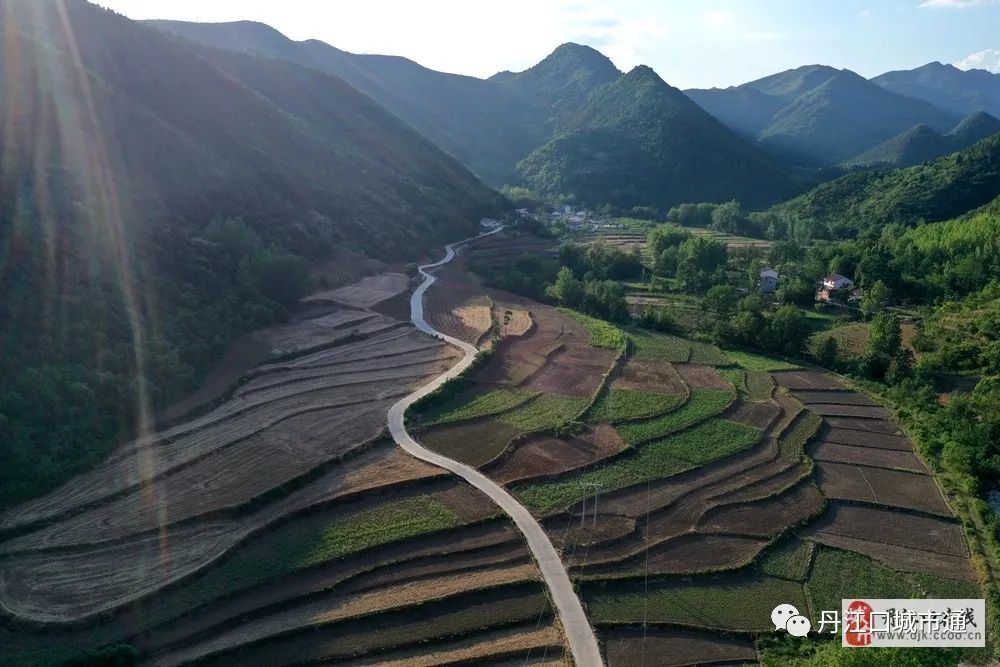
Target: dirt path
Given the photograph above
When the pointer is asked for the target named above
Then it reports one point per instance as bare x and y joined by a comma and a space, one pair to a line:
579, 633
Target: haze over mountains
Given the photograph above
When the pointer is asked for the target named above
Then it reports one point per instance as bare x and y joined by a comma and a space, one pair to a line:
573, 124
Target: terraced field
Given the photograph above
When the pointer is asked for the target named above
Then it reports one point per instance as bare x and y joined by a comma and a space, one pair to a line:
733, 482
688, 489
278, 525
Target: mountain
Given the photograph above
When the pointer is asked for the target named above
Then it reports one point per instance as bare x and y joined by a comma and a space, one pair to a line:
488, 127
562, 81
939, 190
817, 115
640, 141
157, 199
921, 143
957, 91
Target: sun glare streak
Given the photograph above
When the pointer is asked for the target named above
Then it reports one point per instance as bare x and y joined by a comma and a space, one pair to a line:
99, 186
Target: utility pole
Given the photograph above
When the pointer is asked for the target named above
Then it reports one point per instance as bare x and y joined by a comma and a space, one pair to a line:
596, 486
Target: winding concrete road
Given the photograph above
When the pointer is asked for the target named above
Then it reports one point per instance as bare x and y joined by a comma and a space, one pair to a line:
582, 642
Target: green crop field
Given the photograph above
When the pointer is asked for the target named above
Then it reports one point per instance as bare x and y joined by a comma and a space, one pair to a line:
651, 346
704, 353
478, 403
618, 405
838, 574
756, 362
545, 412
738, 378
602, 334
759, 385
702, 404
804, 428
731, 602
662, 458
309, 541
787, 560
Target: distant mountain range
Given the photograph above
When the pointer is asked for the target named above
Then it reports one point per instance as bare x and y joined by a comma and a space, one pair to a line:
559, 126
573, 124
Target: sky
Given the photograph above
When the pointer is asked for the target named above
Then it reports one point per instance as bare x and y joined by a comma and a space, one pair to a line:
690, 43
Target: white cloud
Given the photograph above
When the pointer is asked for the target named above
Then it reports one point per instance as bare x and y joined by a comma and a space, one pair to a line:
957, 4
865, 13
987, 59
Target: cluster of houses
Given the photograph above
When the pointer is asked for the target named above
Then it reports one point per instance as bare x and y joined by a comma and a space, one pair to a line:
831, 284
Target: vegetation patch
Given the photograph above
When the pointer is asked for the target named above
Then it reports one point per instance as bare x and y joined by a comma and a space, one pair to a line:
805, 427
545, 412
701, 405
478, 403
651, 346
312, 540
602, 334
837, 574
710, 355
759, 385
788, 559
662, 458
618, 405
757, 362
733, 603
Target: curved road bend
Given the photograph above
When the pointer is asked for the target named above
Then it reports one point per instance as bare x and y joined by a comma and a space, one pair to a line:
582, 642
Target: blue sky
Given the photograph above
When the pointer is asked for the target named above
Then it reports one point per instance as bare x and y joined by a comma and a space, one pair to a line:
690, 43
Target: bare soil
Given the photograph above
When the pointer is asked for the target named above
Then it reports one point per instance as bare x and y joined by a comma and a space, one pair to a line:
702, 377
872, 425
654, 376
768, 517
660, 646
863, 411
546, 455
366, 292
835, 397
759, 415
867, 439
869, 456
877, 485
802, 379
906, 559
903, 529
473, 442
573, 370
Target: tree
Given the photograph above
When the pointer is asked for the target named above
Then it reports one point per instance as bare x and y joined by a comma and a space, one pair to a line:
787, 331
662, 237
796, 291
720, 299
875, 297
885, 335
665, 263
729, 217
606, 298
567, 290
826, 351
699, 259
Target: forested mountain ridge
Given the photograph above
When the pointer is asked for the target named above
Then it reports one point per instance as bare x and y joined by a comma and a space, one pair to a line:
494, 124
921, 143
938, 190
159, 198
562, 81
487, 126
818, 115
641, 141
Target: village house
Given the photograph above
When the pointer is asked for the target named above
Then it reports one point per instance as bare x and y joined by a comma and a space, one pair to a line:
768, 280
831, 284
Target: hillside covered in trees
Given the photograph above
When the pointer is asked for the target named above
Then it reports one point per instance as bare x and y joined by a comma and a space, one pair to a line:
159, 198
944, 188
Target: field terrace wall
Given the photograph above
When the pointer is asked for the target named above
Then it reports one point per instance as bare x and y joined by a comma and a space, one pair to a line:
222, 534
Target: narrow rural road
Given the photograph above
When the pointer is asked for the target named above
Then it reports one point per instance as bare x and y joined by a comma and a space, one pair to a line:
582, 642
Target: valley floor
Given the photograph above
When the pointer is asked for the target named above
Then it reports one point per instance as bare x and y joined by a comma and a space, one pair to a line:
688, 492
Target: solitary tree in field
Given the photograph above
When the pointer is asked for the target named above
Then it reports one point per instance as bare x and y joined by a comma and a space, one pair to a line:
885, 336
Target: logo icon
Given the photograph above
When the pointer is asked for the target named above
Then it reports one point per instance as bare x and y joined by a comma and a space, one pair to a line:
786, 617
